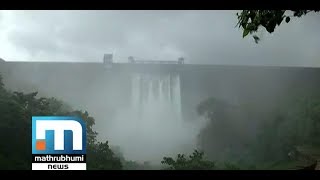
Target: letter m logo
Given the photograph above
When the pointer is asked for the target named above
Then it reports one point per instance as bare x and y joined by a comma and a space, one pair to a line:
49, 135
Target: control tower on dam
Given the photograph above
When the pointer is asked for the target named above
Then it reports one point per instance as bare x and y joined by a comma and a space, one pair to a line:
144, 66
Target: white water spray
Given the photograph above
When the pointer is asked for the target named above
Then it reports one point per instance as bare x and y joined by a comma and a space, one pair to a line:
154, 94
152, 127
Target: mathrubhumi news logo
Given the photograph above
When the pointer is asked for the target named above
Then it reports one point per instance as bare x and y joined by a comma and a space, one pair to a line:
58, 161
58, 143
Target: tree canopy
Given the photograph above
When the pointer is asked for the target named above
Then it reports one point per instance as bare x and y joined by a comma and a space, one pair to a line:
16, 110
293, 123
195, 161
251, 20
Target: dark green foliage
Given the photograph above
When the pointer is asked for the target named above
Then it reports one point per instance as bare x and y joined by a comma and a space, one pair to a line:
1, 83
15, 133
251, 20
16, 110
90, 122
217, 138
294, 123
130, 165
100, 157
231, 166
212, 107
133, 165
195, 161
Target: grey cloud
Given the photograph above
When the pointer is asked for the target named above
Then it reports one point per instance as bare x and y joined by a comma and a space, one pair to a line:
200, 36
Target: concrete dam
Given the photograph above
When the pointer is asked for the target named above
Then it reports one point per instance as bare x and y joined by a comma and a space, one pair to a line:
161, 95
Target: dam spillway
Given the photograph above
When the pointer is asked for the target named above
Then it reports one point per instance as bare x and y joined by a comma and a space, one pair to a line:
152, 93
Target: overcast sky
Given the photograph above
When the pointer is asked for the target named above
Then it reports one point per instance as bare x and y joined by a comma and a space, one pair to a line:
199, 36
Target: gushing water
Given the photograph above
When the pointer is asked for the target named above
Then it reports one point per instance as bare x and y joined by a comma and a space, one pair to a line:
154, 94
152, 127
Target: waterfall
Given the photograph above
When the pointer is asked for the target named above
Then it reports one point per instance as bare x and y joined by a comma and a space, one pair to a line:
154, 94
151, 126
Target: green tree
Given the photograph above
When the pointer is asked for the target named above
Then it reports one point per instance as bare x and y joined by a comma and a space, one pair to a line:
251, 20
195, 161
219, 138
101, 157
1, 83
15, 132
16, 110
90, 122
296, 124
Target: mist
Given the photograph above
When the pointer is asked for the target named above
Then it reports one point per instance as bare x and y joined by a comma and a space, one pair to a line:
153, 120
150, 110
